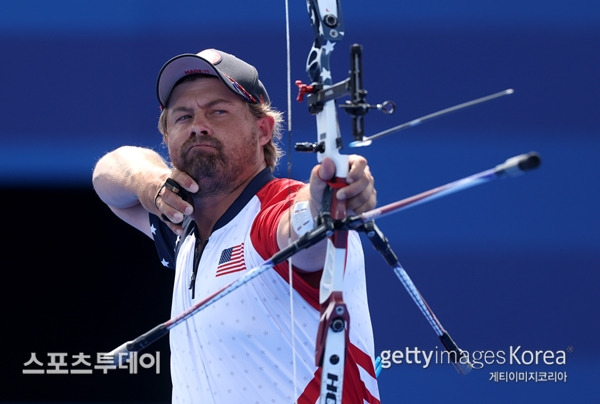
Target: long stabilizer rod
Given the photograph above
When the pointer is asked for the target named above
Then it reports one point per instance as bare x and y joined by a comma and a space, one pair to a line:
510, 168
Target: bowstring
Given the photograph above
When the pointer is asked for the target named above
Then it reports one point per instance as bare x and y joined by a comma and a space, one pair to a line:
289, 173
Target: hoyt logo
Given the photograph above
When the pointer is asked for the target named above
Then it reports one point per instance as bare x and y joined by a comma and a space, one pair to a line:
332, 388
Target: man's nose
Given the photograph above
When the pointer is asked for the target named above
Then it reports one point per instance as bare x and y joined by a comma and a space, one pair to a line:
199, 126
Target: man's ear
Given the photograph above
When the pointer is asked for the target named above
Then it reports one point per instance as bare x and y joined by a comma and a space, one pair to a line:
265, 127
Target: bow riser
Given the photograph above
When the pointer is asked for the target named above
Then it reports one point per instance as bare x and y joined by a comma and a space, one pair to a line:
333, 333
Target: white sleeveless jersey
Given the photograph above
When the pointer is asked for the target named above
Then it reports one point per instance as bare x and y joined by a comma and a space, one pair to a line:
240, 349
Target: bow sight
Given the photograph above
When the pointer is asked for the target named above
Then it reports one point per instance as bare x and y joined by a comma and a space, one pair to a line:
317, 95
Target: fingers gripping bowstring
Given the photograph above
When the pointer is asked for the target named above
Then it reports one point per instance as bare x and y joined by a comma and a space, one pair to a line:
289, 169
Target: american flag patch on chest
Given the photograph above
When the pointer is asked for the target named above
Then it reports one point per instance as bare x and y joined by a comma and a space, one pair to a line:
232, 260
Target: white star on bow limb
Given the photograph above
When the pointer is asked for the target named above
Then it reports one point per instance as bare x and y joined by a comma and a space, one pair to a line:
325, 74
328, 47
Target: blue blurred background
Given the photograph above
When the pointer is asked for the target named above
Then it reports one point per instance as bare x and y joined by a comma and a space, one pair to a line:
508, 264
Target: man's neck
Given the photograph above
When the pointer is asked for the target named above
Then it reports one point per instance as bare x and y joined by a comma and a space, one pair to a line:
209, 209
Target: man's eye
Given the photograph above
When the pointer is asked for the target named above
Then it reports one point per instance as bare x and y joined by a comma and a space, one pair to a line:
182, 118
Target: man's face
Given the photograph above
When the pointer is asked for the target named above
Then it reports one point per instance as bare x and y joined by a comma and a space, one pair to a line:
212, 135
